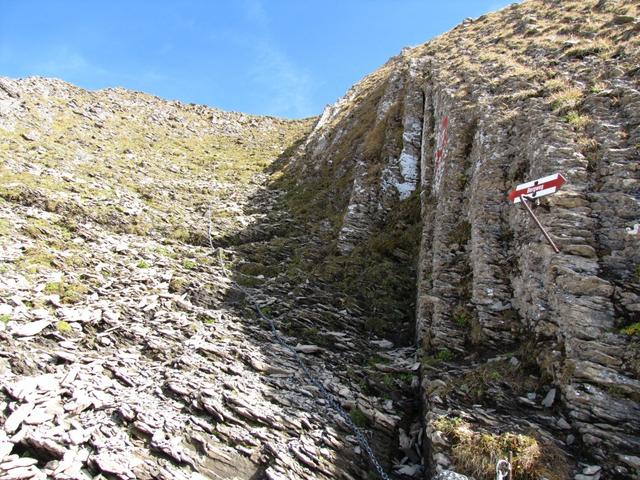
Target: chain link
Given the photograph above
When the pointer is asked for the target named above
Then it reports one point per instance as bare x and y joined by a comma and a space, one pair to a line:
328, 396
503, 470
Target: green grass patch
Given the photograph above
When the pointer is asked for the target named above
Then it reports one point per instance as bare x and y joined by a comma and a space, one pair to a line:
445, 355
632, 330
165, 252
461, 317
359, 418
180, 234
476, 384
5, 227
68, 292
64, 327
577, 119
598, 87
206, 319
248, 281
189, 264
36, 259
178, 284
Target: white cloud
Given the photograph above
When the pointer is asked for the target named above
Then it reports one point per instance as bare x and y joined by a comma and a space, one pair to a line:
286, 88
64, 62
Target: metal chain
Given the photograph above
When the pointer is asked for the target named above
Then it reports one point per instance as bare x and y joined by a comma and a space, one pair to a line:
328, 396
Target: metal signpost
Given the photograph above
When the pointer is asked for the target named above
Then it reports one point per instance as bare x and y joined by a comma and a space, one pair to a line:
534, 190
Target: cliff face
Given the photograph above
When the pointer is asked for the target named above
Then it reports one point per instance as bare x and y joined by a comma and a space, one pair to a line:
537, 88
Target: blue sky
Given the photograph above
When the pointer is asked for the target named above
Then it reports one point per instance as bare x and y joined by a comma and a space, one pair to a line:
275, 57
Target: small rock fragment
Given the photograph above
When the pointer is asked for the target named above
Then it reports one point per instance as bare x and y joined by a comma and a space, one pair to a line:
17, 417
31, 328
307, 348
549, 398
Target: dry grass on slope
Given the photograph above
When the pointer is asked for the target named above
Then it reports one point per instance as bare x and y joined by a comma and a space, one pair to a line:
476, 453
135, 163
514, 52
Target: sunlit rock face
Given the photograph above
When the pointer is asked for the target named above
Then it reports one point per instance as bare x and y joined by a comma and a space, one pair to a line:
536, 89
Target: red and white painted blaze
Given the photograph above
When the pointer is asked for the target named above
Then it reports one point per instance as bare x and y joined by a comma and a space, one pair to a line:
537, 188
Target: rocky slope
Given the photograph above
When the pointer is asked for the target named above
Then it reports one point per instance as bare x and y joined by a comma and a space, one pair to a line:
378, 237
514, 338
129, 350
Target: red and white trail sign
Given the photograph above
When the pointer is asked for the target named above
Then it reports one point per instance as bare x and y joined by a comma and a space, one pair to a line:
537, 188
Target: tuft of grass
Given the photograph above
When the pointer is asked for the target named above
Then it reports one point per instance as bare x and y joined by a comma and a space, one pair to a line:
461, 317
165, 252
576, 119
554, 85
598, 87
206, 319
36, 259
476, 453
53, 287
445, 355
586, 48
359, 418
566, 99
178, 285
248, 281
632, 330
64, 327
143, 264
477, 383
189, 264
5, 227
69, 292
463, 179
180, 234
5, 318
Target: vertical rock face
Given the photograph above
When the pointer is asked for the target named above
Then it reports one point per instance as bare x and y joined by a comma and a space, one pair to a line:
537, 88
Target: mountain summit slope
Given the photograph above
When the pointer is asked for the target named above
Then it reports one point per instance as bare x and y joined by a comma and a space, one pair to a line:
136, 233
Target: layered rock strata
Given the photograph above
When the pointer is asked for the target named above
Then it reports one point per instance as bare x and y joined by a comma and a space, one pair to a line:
538, 88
